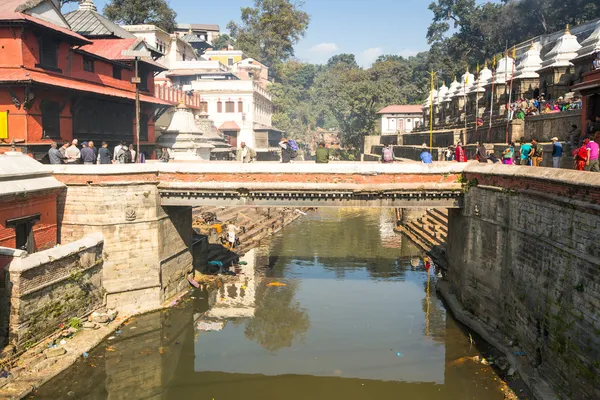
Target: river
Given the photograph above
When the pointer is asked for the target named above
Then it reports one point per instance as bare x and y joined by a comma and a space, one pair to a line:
358, 318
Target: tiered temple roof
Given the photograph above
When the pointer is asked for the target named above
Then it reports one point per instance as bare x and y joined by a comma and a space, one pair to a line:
530, 63
563, 52
591, 45
504, 70
467, 80
454, 86
484, 76
441, 95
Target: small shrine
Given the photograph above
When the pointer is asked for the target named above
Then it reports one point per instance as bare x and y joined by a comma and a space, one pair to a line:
526, 79
184, 139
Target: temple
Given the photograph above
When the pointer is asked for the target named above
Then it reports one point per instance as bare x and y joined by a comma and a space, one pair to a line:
552, 67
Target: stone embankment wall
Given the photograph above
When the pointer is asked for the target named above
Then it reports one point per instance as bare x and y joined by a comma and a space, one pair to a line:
48, 288
545, 127
147, 246
524, 258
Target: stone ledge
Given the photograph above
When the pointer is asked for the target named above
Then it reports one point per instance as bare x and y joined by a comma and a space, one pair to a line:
8, 252
20, 265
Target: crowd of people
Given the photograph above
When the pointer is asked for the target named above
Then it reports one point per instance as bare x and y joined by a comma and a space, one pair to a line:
88, 154
524, 107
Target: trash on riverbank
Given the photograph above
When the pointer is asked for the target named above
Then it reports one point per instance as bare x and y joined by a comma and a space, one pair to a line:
210, 326
193, 282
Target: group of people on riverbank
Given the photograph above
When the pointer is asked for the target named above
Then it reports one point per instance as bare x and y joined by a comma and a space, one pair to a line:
88, 154
531, 107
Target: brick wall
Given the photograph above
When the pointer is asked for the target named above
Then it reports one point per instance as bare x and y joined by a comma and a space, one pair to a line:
524, 257
45, 231
50, 287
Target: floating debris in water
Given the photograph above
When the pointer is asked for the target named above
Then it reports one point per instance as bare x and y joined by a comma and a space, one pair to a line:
276, 284
399, 354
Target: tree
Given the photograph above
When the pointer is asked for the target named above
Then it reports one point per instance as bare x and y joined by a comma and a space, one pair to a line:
348, 60
269, 30
137, 12
222, 42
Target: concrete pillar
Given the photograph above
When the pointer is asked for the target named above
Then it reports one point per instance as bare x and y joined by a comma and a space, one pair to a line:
147, 247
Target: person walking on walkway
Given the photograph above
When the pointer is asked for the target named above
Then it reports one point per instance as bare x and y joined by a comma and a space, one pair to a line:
592, 158
537, 155
88, 155
481, 155
104, 156
164, 155
63, 150
117, 150
55, 156
508, 154
581, 157
425, 156
124, 156
526, 150
247, 154
73, 154
460, 155
286, 152
132, 154
387, 155
322, 154
557, 151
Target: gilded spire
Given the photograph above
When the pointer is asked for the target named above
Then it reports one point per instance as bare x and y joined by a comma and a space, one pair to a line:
532, 46
567, 29
514, 52
478, 69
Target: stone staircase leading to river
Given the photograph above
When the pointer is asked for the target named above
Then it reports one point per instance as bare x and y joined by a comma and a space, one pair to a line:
427, 231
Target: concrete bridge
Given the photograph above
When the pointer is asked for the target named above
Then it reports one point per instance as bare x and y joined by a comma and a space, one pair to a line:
283, 185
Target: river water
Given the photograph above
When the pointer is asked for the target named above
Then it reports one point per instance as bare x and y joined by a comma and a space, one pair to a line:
358, 318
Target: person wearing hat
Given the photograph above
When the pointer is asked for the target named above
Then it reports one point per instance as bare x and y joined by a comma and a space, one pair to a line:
557, 152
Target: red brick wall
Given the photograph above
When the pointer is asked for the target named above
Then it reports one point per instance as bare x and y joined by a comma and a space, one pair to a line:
45, 231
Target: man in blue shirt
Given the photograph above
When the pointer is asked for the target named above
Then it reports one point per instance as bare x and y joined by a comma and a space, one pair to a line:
557, 152
425, 155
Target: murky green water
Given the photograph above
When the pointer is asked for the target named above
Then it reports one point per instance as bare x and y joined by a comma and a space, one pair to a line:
357, 319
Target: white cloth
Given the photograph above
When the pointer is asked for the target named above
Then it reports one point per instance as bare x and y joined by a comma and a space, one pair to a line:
133, 153
73, 154
117, 149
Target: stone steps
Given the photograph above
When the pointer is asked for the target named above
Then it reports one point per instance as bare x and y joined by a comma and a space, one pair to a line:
429, 230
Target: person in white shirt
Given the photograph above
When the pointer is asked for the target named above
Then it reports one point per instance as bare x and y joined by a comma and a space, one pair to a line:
231, 230
133, 153
117, 150
72, 153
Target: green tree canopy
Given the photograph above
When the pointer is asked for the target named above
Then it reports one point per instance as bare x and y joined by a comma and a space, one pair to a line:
136, 12
269, 30
223, 41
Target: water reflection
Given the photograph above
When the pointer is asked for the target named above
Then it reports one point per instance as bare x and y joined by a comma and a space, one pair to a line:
356, 320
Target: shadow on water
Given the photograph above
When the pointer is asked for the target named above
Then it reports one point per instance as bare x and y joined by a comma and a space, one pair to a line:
357, 319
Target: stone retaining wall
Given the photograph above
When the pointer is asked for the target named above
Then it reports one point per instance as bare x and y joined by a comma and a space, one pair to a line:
147, 246
545, 126
48, 288
524, 258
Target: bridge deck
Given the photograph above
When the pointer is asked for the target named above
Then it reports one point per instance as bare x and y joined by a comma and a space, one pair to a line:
287, 185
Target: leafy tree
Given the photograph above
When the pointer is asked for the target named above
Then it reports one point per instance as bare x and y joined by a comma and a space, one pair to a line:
348, 60
135, 12
269, 30
222, 42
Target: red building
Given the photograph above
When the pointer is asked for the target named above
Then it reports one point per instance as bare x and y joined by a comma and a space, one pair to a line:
56, 85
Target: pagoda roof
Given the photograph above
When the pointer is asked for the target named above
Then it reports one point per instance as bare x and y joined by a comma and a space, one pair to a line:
87, 21
401, 109
565, 49
530, 63
591, 45
229, 126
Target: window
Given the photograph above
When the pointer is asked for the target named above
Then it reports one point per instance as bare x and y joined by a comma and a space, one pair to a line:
50, 119
204, 106
230, 61
48, 53
229, 106
88, 64
117, 72
24, 232
240, 106
219, 107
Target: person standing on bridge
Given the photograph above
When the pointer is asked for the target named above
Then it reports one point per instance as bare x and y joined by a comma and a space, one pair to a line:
537, 155
526, 151
460, 155
481, 155
55, 156
592, 157
88, 155
557, 151
508, 154
247, 154
73, 154
425, 156
322, 154
104, 156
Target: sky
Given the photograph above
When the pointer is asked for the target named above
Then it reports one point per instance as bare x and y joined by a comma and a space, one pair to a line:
367, 29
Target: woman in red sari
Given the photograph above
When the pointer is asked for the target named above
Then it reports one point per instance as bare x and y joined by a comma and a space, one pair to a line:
460, 155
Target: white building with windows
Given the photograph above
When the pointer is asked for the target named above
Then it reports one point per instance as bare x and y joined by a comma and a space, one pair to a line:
234, 96
397, 119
